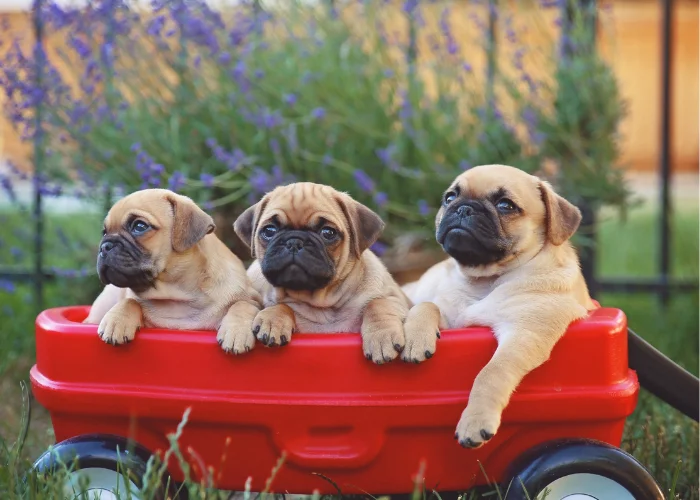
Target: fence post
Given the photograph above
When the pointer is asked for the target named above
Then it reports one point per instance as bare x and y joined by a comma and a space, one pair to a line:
38, 158
411, 61
665, 156
588, 207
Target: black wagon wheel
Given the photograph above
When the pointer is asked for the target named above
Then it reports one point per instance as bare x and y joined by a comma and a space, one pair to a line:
580, 469
109, 465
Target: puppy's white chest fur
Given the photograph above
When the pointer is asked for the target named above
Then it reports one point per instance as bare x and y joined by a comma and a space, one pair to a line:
311, 319
175, 308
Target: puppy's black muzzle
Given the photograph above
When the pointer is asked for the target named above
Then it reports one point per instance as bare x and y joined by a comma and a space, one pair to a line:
122, 263
471, 233
297, 260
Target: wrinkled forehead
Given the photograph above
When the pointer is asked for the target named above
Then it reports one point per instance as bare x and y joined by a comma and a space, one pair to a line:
303, 205
156, 211
515, 184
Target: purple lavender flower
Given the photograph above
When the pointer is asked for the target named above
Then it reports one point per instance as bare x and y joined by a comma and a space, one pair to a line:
271, 119
363, 180
291, 136
518, 58
465, 165
378, 248
235, 161
107, 54
86, 178
21, 175
381, 199
240, 31
156, 26
143, 161
7, 286
81, 48
239, 70
208, 205
452, 46
16, 253
307, 77
423, 208
318, 113
409, 6
176, 181
537, 137
530, 117
207, 180
275, 146
290, 99
386, 155
262, 182
327, 159
511, 35
225, 58
7, 187
49, 191
258, 181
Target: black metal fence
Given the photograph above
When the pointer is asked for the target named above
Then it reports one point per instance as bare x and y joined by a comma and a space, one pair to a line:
663, 284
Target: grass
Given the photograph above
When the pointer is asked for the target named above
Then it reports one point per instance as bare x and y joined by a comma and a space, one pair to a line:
660, 437
665, 441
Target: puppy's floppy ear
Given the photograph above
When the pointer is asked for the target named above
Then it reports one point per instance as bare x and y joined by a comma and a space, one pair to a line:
190, 223
364, 225
562, 218
247, 224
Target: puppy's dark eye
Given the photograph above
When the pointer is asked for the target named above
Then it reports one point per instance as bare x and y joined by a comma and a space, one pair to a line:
450, 197
138, 227
268, 232
505, 205
329, 233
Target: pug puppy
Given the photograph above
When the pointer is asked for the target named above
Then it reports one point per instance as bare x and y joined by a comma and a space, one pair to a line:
163, 267
315, 273
511, 268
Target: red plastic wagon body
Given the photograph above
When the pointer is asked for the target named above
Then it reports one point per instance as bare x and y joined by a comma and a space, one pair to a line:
364, 426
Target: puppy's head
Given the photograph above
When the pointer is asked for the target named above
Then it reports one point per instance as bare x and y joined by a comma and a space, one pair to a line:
494, 218
307, 236
143, 231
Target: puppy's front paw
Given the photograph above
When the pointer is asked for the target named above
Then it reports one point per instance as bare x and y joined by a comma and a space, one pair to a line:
236, 338
120, 324
235, 332
382, 343
274, 325
421, 330
477, 426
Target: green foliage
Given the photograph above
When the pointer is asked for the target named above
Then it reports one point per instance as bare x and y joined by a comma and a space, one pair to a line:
225, 107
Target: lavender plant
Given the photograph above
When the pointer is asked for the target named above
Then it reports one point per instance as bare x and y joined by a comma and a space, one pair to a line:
224, 105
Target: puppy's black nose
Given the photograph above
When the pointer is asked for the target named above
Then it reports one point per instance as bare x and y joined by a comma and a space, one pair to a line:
106, 247
465, 210
294, 244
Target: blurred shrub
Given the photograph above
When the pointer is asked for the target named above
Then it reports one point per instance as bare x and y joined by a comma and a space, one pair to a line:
225, 105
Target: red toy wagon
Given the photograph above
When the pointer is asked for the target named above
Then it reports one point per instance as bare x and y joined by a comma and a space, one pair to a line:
332, 413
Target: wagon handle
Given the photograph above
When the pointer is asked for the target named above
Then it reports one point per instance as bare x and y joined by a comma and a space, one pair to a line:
331, 447
662, 377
